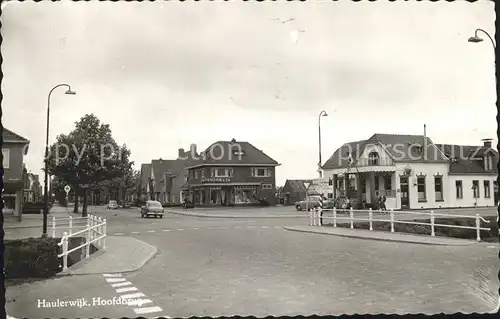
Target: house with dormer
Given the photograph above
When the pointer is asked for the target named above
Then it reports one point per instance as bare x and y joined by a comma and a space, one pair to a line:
413, 173
230, 173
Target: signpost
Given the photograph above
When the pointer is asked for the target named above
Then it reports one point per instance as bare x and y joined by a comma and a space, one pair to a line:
306, 185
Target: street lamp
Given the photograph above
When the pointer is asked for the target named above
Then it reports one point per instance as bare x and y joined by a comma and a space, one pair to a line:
45, 186
323, 113
477, 39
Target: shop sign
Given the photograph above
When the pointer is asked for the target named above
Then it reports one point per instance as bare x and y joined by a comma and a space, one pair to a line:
216, 180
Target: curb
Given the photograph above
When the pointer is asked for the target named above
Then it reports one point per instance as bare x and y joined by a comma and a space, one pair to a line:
236, 216
407, 241
119, 271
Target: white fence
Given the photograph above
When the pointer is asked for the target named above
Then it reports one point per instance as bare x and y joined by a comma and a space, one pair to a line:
93, 228
319, 214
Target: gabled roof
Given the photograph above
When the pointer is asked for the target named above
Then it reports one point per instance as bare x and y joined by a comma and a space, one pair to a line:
159, 168
226, 153
401, 148
296, 185
468, 159
11, 137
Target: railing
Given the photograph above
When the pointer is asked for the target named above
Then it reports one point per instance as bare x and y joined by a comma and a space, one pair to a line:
381, 161
315, 219
94, 231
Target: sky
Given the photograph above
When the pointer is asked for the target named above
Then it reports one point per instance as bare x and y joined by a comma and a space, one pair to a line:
164, 75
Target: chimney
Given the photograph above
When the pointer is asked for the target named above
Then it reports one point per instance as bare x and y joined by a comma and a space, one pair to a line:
425, 142
487, 142
193, 149
181, 153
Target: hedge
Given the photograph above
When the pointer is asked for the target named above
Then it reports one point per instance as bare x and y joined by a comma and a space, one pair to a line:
37, 257
489, 236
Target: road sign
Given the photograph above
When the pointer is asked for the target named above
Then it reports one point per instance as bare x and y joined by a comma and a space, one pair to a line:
306, 184
67, 188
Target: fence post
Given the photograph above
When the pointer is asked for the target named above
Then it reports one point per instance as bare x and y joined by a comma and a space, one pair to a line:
99, 235
53, 226
334, 217
432, 224
105, 235
351, 217
89, 235
65, 251
478, 227
70, 225
392, 220
370, 217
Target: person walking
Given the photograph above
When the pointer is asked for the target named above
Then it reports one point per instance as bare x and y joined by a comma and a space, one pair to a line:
382, 203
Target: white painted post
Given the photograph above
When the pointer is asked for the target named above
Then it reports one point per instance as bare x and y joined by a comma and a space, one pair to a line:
310, 218
318, 216
432, 224
65, 251
370, 217
313, 211
99, 232
334, 217
351, 217
105, 235
70, 224
478, 227
392, 220
89, 235
53, 226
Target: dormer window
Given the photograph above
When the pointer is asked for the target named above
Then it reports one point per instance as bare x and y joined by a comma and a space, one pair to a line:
373, 158
488, 163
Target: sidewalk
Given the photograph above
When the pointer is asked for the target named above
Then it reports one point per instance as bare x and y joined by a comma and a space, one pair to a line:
122, 255
384, 236
232, 214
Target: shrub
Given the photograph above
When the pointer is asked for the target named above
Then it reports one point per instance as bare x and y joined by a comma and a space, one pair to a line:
31, 258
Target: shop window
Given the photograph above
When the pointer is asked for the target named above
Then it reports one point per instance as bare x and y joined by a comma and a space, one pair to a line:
387, 182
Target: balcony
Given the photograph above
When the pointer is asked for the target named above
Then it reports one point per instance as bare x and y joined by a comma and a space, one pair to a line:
381, 161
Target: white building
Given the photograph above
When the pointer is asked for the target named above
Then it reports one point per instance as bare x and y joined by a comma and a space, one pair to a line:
413, 173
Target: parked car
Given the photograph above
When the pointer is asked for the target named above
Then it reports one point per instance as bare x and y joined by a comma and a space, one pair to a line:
112, 204
152, 208
125, 204
310, 203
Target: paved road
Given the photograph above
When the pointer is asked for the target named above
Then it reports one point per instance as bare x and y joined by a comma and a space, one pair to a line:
222, 267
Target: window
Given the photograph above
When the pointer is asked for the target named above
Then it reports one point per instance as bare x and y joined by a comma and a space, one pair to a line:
458, 188
197, 173
387, 182
475, 189
221, 172
486, 189
330, 181
363, 186
202, 173
6, 158
373, 158
377, 183
421, 189
488, 163
438, 188
267, 186
261, 172
330, 195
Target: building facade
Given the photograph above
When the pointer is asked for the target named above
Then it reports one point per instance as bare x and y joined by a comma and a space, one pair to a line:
14, 148
413, 173
231, 173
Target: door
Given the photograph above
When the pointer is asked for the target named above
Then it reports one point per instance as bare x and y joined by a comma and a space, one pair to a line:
405, 196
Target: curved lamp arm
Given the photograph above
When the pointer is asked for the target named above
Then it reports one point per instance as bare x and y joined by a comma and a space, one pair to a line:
487, 34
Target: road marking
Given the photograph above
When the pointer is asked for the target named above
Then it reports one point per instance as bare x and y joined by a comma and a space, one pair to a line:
139, 302
180, 229
263, 227
112, 275
135, 232
196, 228
133, 296
117, 234
151, 231
166, 230
121, 284
126, 289
115, 279
141, 311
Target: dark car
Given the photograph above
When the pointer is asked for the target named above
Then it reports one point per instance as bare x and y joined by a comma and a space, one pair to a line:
152, 208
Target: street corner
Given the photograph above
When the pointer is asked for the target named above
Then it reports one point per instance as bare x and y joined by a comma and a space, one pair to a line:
123, 255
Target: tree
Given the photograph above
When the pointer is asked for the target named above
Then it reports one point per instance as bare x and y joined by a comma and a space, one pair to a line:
86, 157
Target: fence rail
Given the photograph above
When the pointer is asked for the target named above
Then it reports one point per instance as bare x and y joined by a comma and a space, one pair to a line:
317, 215
94, 229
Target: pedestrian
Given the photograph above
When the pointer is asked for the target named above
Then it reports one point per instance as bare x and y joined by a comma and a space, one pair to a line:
382, 203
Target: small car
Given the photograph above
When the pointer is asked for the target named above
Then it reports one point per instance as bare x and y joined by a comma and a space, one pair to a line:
152, 208
311, 203
112, 204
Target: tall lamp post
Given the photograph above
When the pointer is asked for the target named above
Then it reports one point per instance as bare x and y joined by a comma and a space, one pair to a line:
323, 113
477, 39
46, 159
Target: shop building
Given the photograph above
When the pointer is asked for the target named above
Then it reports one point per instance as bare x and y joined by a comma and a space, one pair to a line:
231, 173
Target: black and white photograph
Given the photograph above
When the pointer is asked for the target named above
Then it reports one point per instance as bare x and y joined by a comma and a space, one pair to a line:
228, 158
